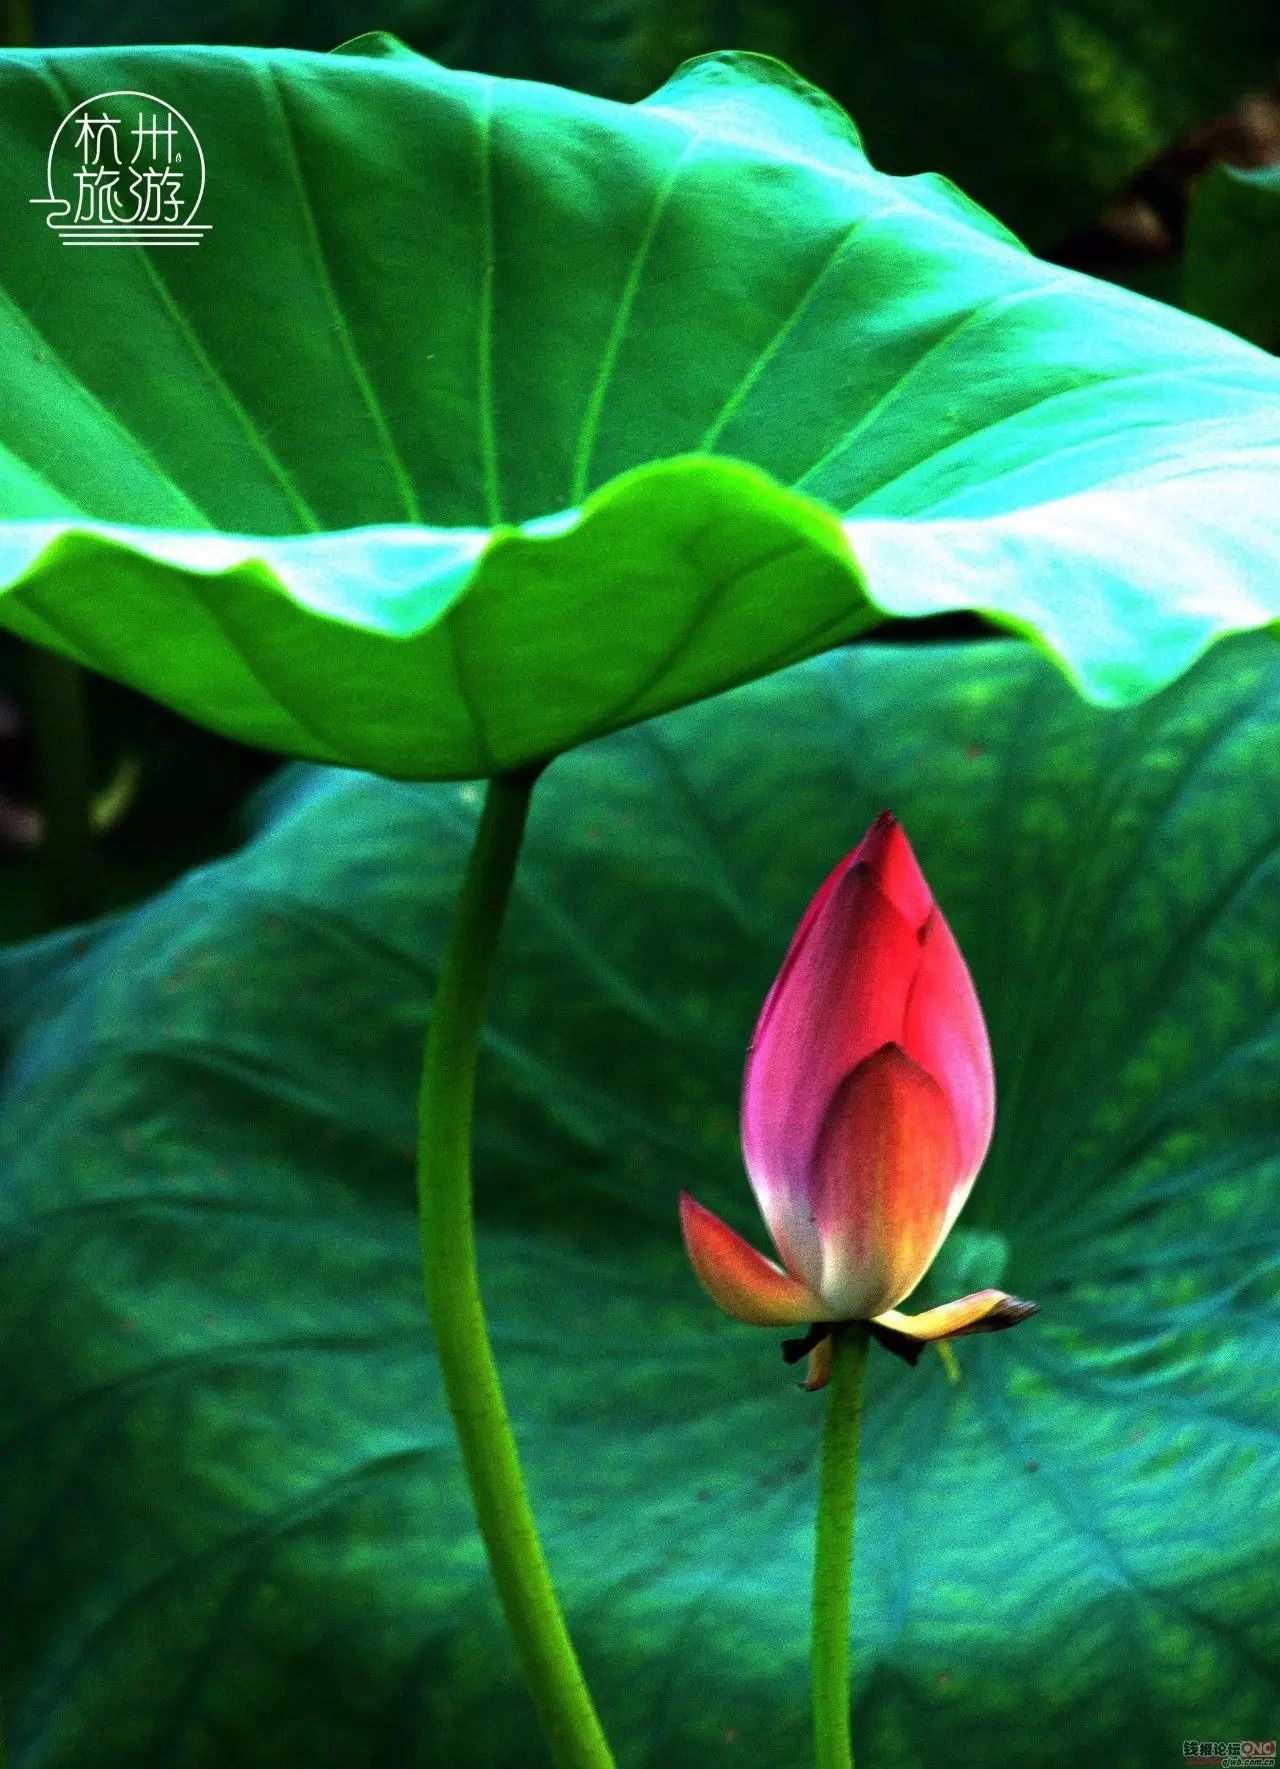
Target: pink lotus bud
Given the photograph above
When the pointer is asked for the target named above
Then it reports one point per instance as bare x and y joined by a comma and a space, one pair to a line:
867, 1109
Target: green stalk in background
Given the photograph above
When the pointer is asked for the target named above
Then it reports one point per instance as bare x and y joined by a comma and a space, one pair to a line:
445, 1219
60, 725
833, 1548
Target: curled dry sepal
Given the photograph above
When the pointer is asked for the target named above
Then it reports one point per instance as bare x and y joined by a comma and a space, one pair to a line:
867, 1109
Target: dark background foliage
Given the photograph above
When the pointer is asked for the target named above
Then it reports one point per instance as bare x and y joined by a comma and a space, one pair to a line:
1042, 109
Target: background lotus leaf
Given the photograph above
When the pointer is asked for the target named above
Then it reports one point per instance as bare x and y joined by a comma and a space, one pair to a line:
234, 1526
1232, 271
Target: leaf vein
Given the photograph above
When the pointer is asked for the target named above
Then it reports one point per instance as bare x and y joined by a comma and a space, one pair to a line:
341, 327
590, 426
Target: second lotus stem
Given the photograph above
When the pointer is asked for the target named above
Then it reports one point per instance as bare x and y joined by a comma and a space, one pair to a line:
833, 1548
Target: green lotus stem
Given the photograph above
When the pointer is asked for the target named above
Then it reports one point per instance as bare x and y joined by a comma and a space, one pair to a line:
833, 1548
445, 1219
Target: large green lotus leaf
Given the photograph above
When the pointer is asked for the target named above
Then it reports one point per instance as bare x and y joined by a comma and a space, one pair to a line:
1232, 270
234, 1529
1043, 112
420, 461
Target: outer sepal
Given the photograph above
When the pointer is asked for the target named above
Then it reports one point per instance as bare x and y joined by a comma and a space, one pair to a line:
818, 1369
746, 1285
985, 1311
